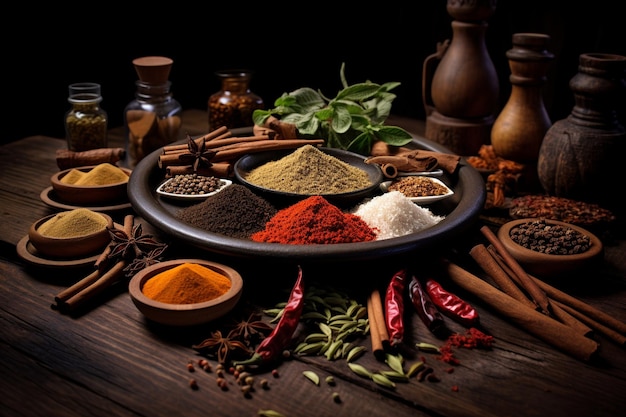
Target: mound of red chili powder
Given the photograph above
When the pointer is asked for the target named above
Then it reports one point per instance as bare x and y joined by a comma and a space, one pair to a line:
314, 221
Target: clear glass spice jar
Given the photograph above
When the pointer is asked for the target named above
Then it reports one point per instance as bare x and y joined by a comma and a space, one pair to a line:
86, 122
234, 104
154, 118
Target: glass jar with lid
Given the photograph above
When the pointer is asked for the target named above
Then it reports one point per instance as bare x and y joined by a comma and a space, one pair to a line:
154, 118
234, 104
86, 122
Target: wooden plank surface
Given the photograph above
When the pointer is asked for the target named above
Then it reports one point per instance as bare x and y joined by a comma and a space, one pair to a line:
111, 361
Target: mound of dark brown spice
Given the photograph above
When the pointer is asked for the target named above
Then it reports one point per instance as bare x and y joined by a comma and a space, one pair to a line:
235, 211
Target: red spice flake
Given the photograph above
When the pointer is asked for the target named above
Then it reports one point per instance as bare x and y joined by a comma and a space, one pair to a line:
473, 338
314, 221
455, 388
450, 370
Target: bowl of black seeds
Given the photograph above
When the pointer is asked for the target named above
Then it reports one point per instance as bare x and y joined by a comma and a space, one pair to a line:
191, 187
550, 248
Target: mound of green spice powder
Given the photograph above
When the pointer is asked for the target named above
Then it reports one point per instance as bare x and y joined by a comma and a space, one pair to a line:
309, 171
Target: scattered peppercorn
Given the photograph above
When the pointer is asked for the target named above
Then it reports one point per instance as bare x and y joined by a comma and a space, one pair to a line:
193, 384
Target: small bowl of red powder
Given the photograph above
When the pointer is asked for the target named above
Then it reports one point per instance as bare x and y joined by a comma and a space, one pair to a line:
185, 292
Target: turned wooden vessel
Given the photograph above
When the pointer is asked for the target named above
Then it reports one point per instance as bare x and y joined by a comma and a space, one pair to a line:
582, 156
520, 127
460, 83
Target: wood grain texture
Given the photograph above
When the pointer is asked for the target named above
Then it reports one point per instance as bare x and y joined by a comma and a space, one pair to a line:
109, 360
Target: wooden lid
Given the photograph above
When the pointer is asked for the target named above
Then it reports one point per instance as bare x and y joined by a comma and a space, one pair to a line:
153, 69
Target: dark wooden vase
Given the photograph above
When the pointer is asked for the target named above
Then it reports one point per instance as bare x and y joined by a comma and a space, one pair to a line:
460, 84
582, 156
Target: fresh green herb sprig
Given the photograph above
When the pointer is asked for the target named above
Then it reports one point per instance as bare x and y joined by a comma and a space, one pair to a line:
352, 121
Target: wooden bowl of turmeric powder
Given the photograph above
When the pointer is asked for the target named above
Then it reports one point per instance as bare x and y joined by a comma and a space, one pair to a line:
71, 234
103, 184
185, 292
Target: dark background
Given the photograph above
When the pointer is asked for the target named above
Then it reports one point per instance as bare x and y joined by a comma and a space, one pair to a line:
289, 46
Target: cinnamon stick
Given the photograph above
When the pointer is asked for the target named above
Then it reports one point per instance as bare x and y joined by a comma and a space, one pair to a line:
543, 327
77, 287
220, 169
536, 293
599, 327
221, 131
560, 314
484, 259
592, 312
103, 282
377, 344
67, 159
378, 326
264, 145
219, 143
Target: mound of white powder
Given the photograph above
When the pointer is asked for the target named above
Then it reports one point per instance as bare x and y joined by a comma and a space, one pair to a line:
393, 214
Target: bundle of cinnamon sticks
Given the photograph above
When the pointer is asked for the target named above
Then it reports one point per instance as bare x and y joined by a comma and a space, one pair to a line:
544, 311
225, 149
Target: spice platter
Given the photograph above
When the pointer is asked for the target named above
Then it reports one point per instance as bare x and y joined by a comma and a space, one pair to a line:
460, 210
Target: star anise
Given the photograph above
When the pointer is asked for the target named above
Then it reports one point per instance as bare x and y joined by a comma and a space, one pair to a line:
198, 155
251, 329
221, 346
134, 246
145, 261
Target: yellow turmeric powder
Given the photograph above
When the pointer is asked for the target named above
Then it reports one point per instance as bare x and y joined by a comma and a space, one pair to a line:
102, 174
187, 283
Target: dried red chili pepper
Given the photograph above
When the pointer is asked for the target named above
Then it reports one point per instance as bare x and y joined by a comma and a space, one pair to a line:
272, 346
394, 308
426, 310
451, 305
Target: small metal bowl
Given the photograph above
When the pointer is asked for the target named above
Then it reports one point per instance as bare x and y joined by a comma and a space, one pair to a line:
71, 247
185, 314
547, 265
89, 195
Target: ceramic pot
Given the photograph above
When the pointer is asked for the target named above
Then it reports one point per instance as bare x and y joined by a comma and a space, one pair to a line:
581, 156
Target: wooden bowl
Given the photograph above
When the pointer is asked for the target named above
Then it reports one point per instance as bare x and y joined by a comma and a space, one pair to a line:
89, 194
547, 265
184, 314
71, 247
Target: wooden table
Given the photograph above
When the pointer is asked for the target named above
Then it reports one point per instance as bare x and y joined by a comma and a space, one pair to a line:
109, 361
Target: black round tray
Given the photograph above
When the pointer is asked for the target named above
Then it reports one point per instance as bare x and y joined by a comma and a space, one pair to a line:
460, 211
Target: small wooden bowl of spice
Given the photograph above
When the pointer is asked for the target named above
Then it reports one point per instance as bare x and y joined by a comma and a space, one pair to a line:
185, 292
71, 234
92, 185
550, 248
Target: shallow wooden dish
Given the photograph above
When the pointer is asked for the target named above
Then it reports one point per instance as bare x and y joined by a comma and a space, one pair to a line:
72, 247
89, 195
546, 265
185, 314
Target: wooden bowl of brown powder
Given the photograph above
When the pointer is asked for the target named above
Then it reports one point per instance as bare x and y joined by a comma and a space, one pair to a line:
71, 234
103, 184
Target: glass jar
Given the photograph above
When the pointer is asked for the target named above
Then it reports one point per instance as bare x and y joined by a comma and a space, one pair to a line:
234, 104
152, 120
86, 122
